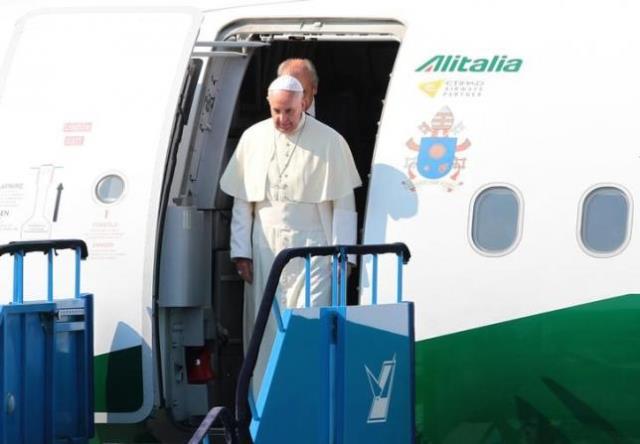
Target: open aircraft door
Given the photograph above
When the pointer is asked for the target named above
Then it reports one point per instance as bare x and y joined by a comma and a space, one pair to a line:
87, 103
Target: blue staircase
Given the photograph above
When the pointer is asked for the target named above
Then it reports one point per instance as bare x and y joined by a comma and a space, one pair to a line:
46, 355
336, 374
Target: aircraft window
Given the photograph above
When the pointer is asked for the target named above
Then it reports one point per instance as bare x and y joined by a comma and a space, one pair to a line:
496, 217
110, 188
605, 220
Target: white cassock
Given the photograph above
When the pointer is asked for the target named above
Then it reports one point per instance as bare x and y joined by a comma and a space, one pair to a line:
290, 190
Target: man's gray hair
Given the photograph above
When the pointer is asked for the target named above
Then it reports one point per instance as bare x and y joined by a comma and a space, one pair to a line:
308, 64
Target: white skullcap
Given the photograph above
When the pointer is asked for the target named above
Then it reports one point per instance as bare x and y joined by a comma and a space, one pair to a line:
285, 83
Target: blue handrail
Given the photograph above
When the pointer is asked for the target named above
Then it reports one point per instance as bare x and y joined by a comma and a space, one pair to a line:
237, 428
243, 413
20, 249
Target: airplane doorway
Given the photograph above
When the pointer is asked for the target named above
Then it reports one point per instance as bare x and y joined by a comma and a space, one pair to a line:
353, 79
353, 82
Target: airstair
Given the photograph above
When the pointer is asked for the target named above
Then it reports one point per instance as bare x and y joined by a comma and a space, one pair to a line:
336, 374
46, 352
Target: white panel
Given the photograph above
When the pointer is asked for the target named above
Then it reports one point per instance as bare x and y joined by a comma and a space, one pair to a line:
84, 95
564, 122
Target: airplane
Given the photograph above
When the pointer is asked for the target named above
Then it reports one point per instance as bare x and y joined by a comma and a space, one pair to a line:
495, 139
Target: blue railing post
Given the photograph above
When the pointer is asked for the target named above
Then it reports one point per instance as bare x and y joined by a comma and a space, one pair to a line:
343, 277
333, 395
50, 274
18, 280
78, 256
374, 278
307, 281
252, 405
334, 280
400, 263
276, 314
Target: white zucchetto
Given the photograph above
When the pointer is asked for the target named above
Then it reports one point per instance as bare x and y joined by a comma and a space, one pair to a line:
286, 83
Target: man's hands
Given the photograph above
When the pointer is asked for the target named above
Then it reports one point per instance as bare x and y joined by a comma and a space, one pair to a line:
244, 267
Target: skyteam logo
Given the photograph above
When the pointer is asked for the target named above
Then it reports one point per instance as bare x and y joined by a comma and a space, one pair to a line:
381, 388
458, 63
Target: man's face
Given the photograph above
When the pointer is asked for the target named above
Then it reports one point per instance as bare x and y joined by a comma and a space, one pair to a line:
307, 85
286, 109
303, 76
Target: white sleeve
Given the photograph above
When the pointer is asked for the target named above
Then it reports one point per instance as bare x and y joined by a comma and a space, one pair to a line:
241, 223
345, 221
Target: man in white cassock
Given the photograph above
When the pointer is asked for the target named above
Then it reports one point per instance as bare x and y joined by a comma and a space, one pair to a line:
292, 179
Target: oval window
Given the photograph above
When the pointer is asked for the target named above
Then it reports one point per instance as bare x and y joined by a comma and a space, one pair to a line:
604, 226
495, 220
110, 188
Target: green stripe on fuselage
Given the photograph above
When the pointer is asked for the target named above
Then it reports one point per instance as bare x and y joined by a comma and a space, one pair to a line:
118, 381
571, 375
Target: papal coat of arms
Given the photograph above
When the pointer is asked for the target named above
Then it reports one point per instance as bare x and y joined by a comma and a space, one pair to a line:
436, 158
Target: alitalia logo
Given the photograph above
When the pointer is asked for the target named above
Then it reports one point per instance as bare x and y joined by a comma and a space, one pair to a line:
458, 63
